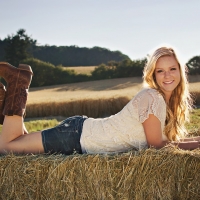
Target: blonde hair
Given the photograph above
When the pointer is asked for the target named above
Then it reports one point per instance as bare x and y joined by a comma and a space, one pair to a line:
180, 102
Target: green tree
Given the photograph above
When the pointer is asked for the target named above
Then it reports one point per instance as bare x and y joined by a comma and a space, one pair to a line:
103, 72
194, 65
125, 68
128, 68
18, 47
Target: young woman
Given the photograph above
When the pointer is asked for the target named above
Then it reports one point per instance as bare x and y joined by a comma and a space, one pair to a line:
154, 117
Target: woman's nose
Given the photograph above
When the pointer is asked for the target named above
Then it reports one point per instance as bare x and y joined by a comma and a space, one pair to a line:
167, 73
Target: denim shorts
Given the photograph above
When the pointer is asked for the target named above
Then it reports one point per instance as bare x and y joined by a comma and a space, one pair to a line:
64, 138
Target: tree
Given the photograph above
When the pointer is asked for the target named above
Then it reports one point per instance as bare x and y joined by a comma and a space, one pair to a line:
194, 65
18, 47
125, 68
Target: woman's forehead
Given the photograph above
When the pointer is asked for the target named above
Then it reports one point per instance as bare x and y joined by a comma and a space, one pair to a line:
165, 61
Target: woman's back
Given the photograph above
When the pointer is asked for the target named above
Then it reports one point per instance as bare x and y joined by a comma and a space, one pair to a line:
124, 131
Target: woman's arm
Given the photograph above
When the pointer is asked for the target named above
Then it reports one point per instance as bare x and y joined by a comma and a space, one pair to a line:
153, 132
197, 138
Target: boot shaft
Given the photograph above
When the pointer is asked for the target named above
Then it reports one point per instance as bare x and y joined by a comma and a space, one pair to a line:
18, 82
12, 74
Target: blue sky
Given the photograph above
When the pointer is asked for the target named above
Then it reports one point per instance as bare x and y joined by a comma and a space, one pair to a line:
133, 27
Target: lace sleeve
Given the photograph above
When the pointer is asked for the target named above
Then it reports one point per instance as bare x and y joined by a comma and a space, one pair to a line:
149, 101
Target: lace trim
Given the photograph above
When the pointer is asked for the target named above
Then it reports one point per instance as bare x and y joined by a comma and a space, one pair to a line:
149, 101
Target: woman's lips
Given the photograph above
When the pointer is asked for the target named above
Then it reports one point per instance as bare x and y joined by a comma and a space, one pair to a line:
168, 82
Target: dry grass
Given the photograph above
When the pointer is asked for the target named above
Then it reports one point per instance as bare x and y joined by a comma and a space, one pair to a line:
82, 69
86, 90
89, 107
164, 174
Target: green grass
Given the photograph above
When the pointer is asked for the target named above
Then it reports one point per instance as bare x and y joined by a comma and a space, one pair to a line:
194, 125
38, 125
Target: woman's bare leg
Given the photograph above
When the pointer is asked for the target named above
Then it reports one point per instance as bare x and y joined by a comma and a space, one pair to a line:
13, 139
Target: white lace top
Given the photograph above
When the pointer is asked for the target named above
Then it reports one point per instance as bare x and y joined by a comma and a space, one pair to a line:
124, 131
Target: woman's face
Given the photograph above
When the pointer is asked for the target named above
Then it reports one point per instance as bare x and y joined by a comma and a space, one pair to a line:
167, 74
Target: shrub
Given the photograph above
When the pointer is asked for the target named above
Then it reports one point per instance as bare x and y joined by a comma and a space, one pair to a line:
47, 74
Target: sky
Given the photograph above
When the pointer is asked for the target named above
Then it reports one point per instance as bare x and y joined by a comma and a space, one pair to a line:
133, 27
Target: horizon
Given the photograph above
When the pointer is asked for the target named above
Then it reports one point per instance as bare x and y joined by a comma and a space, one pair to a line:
133, 28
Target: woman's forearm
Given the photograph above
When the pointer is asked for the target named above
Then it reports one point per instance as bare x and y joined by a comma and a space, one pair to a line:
186, 145
197, 138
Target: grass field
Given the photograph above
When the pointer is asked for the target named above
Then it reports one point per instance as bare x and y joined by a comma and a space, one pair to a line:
94, 99
82, 69
93, 90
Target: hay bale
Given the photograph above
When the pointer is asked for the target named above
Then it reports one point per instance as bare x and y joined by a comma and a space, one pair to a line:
169, 173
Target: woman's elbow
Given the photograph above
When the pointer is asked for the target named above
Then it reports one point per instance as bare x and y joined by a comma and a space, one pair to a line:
158, 145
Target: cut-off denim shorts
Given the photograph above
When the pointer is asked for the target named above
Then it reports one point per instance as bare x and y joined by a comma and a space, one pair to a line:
64, 138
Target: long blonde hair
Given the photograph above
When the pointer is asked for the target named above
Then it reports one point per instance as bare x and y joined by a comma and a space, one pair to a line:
180, 102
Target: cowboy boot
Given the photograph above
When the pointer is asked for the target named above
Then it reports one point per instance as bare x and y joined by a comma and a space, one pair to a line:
2, 100
18, 82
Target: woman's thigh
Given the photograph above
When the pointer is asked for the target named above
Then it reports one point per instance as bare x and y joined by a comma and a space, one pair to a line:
29, 143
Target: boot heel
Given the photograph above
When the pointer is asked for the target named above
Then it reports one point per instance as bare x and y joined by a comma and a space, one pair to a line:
25, 67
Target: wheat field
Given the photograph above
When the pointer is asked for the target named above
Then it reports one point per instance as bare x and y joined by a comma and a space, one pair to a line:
82, 69
101, 89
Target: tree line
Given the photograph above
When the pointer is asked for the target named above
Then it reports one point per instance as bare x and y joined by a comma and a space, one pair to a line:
48, 61
20, 46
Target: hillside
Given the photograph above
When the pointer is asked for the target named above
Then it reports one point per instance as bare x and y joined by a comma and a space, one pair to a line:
69, 55
76, 56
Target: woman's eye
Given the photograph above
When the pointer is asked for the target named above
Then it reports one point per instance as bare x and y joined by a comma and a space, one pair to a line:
159, 71
172, 69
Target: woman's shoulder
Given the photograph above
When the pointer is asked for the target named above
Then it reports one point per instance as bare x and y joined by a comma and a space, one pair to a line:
148, 93
149, 101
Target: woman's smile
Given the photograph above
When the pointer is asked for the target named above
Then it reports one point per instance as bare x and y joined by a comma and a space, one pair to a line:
168, 82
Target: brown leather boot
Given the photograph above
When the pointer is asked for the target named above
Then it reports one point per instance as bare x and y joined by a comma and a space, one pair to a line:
18, 82
2, 100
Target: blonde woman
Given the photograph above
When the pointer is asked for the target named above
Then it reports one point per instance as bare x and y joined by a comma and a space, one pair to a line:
155, 117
